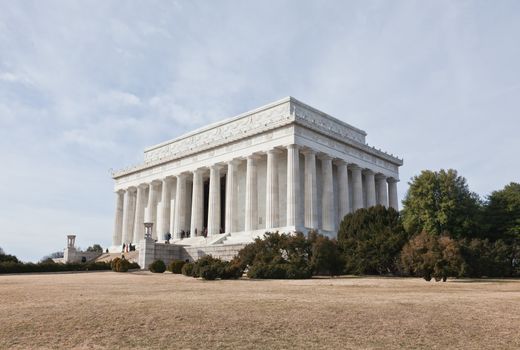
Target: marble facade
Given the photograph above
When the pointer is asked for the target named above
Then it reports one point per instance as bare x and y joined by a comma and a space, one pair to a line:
282, 167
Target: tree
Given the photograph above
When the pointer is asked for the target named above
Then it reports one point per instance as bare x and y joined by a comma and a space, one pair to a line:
95, 248
326, 256
55, 255
439, 202
7, 258
371, 240
430, 256
502, 213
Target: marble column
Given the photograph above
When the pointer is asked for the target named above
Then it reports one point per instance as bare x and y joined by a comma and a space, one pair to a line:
231, 197
293, 186
164, 214
117, 236
311, 191
271, 197
180, 206
327, 199
214, 200
392, 193
344, 206
357, 188
370, 188
251, 219
197, 204
151, 211
382, 192
139, 214
129, 215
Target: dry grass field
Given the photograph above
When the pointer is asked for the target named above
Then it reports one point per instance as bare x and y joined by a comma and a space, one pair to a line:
142, 310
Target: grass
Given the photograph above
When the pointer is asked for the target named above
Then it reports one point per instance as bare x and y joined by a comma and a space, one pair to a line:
142, 310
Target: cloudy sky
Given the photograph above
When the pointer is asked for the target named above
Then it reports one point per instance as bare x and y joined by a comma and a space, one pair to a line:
86, 85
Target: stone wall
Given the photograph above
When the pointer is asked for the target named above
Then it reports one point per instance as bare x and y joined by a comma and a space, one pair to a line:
71, 255
150, 251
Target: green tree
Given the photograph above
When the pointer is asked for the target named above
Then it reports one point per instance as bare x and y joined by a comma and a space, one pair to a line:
439, 202
95, 248
7, 258
502, 213
371, 240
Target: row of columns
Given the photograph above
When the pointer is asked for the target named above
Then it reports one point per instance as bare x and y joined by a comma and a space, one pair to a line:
131, 213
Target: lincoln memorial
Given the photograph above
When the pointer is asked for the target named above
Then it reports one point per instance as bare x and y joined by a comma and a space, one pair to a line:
282, 167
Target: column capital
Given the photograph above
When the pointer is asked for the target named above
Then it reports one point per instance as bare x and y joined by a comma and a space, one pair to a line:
380, 176
215, 167
142, 185
308, 152
293, 146
233, 161
391, 180
274, 151
368, 172
198, 171
253, 156
120, 191
131, 189
181, 176
324, 156
339, 162
155, 182
354, 167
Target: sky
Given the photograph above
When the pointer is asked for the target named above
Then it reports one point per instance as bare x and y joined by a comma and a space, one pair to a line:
85, 86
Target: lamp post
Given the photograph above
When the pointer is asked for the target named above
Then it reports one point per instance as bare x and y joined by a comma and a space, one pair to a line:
148, 229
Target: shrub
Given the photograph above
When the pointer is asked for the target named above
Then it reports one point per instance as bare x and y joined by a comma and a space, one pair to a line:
19, 267
157, 266
188, 269
430, 257
133, 266
326, 256
232, 270
120, 265
176, 266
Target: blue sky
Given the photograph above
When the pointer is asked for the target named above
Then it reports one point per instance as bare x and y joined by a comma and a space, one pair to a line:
85, 86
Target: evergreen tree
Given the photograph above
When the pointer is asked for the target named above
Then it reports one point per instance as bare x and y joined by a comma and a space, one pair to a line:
371, 240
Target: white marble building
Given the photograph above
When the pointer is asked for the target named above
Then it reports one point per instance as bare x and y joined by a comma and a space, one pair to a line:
282, 167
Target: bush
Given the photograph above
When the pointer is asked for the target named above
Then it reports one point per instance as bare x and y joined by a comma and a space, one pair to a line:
188, 269
326, 256
232, 270
120, 265
430, 257
134, 266
208, 267
176, 266
157, 266
50, 266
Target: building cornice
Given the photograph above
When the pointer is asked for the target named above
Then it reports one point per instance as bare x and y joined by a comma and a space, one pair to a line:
271, 116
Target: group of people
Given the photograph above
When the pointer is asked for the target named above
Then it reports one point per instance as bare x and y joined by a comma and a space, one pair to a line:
128, 248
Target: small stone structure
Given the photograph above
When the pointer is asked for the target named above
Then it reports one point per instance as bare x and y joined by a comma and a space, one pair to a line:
149, 251
72, 255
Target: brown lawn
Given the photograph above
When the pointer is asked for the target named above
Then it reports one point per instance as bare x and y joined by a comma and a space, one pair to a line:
143, 310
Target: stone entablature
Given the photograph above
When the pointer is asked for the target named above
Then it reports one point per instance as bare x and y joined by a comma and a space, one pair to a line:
278, 114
